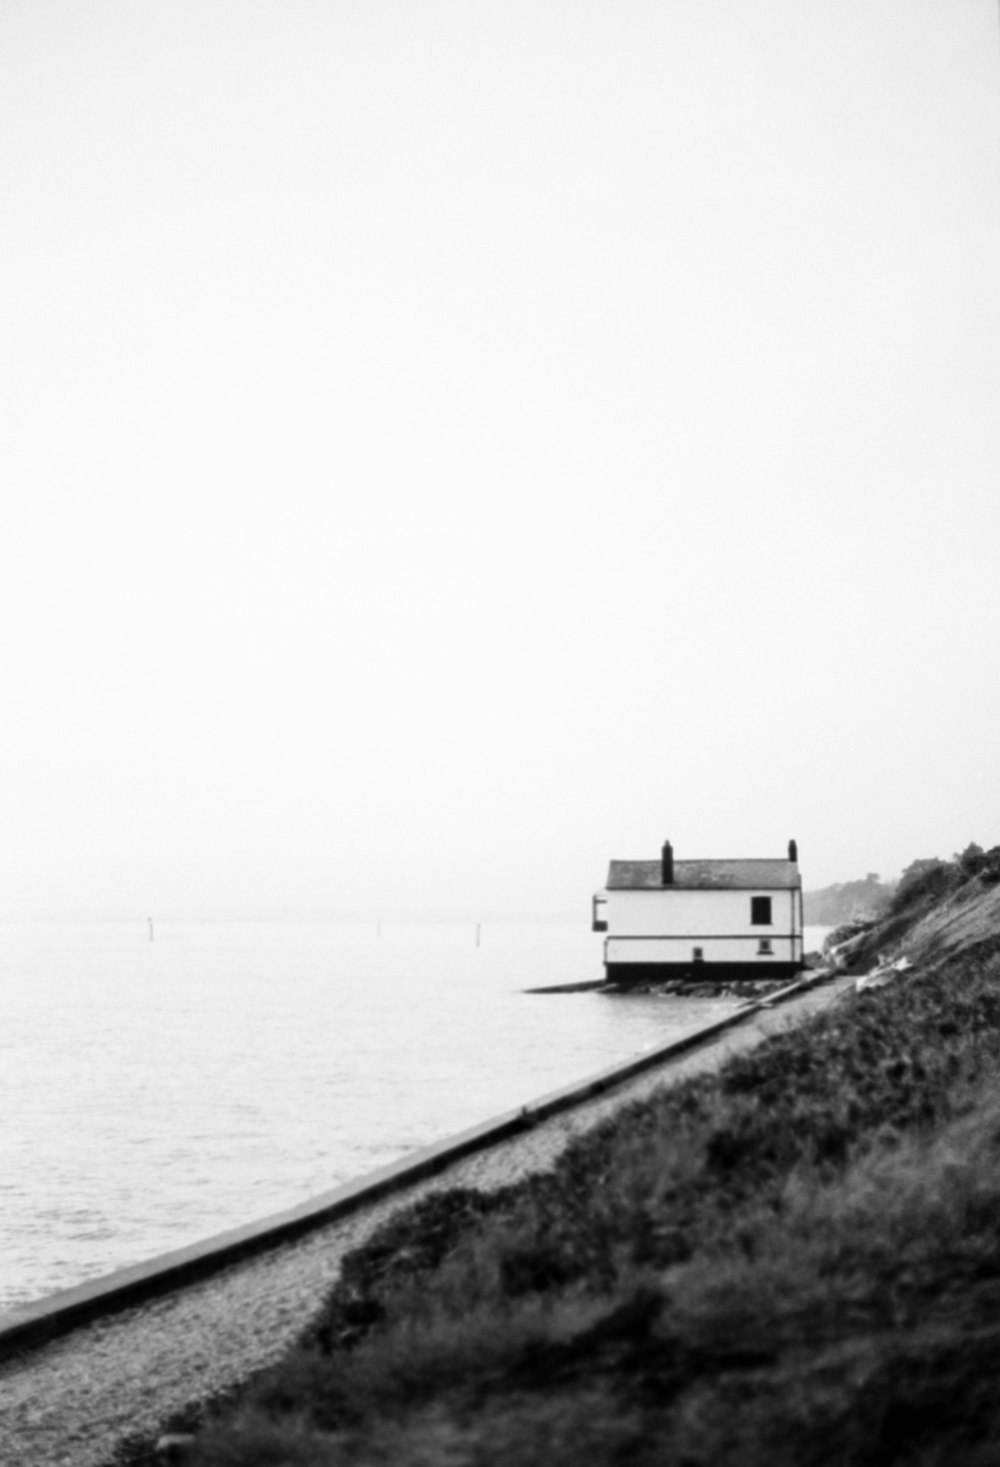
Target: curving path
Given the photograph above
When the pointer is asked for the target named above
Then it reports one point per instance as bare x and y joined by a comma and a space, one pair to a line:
69, 1401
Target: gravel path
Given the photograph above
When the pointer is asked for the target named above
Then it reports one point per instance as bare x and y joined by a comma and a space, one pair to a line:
70, 1401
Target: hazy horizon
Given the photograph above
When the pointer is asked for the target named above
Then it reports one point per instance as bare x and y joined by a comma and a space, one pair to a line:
447, 447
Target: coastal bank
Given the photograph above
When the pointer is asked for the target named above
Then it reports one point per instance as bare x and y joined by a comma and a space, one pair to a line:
778, 1247
81, 1374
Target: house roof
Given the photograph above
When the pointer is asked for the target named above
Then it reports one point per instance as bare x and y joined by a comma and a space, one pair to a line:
764, 875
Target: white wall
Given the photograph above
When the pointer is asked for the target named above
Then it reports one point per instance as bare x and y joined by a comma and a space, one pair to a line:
697, 914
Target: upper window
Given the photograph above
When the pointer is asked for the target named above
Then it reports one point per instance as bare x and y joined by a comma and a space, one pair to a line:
760, 911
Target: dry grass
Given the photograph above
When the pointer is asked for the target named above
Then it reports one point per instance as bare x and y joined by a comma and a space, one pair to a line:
796, 1262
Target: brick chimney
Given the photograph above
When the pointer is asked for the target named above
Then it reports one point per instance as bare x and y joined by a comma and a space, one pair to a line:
667, 865
793, 851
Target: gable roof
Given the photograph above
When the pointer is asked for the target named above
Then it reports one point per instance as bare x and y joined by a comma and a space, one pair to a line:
764, 875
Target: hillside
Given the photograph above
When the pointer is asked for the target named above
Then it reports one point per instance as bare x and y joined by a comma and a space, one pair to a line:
939, 908
792, 1261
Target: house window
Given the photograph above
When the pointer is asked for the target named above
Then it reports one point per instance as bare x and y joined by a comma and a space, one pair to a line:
760, 911
765, 947
699, 954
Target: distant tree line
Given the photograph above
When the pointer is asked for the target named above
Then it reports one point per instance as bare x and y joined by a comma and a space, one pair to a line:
846, 901
849, 901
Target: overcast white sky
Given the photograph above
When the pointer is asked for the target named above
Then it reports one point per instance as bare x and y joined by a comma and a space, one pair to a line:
449, 443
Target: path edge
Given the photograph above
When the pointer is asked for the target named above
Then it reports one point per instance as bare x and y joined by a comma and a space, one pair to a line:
58, 1314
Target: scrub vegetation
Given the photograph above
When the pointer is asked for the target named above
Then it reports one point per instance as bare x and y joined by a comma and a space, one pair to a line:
937, 907
868, 899
796, 1261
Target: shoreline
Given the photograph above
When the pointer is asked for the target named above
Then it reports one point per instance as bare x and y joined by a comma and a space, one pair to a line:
78, 1395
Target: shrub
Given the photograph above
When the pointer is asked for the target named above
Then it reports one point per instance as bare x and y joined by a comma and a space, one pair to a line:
924, 882
974, 861
970, 860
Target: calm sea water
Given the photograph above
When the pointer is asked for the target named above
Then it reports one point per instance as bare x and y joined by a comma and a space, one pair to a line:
156, 1092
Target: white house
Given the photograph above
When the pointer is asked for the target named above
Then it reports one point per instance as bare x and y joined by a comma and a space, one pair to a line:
701, 919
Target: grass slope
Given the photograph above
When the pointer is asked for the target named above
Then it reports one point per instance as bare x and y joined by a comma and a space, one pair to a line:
939, 908
794, 1261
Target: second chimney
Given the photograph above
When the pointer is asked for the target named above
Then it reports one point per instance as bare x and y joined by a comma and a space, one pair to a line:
667, 865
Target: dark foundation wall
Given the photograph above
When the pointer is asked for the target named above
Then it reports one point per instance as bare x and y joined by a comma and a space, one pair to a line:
698, 972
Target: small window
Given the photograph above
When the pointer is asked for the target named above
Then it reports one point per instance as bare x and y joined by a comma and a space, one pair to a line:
760, 911
765, 947
699, 954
